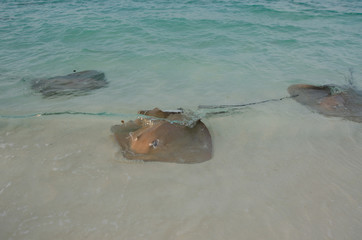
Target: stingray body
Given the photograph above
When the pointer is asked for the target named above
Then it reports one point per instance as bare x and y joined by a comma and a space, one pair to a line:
163, 138
78, 83
330, 100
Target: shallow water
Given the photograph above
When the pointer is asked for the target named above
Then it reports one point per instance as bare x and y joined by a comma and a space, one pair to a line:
278, 170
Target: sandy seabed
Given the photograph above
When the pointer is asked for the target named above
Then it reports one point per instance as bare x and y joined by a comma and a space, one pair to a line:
278, 172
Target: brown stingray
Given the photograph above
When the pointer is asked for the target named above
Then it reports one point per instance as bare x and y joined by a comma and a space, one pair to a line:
78, 83
164, 138
330, 100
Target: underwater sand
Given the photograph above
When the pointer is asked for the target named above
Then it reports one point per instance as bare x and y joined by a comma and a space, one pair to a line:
278, 172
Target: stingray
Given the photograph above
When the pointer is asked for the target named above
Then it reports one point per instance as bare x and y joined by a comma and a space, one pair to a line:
78, 83
164, 137
330, 100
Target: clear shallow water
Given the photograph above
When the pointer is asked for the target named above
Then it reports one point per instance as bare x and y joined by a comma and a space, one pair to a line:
278, 171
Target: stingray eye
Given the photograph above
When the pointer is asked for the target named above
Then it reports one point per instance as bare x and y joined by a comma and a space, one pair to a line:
154, 143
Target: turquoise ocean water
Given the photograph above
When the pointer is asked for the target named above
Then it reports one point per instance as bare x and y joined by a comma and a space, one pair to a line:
175, 54
278, 170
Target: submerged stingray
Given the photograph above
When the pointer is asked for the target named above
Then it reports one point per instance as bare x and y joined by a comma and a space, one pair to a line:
330, 100
162, 136
72, 84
